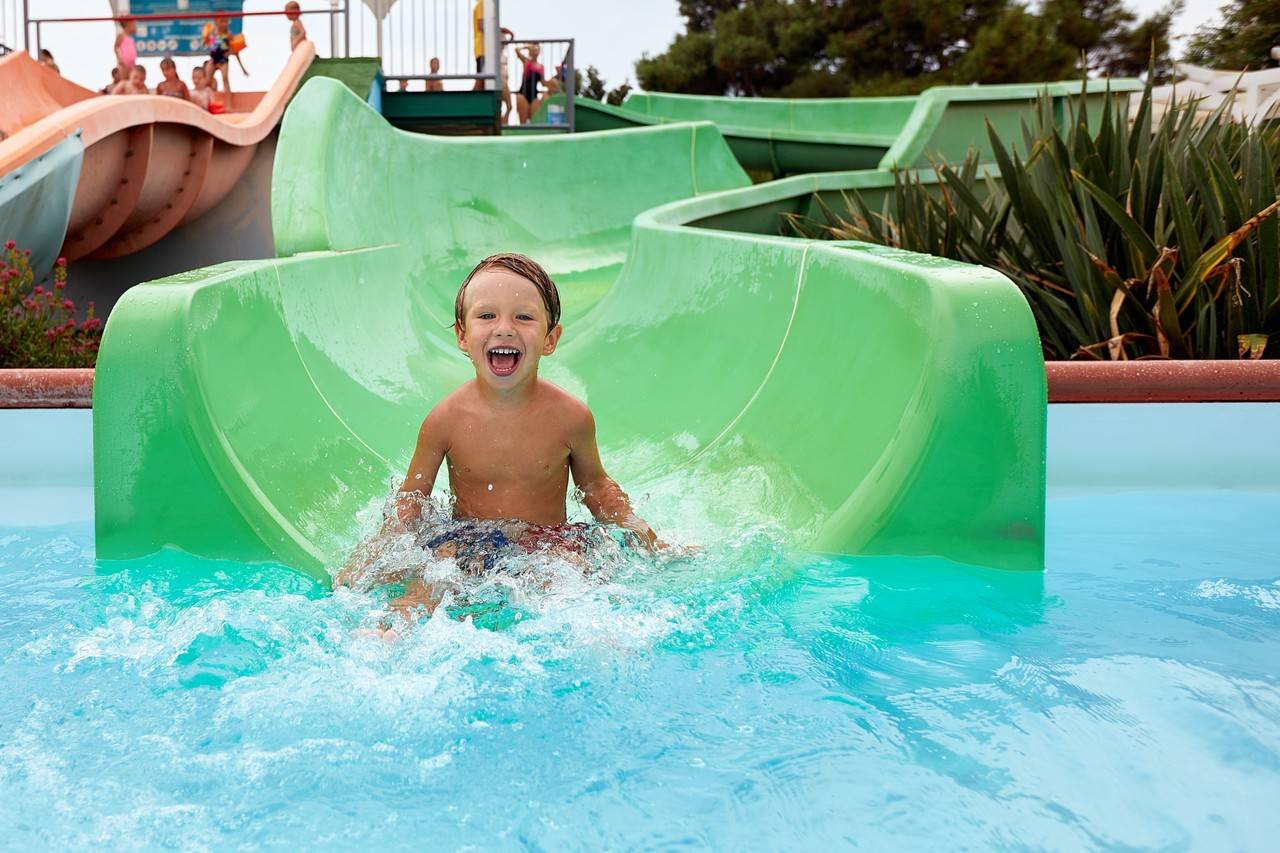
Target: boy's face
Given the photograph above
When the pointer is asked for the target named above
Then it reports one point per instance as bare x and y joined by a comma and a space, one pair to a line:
138, 76
504, 330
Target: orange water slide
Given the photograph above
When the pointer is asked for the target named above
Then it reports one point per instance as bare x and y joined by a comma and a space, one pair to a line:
151, 163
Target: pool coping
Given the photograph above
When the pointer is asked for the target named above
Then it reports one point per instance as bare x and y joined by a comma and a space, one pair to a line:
1151, 381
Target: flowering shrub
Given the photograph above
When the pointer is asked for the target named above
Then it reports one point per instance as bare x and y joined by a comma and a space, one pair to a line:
38, 327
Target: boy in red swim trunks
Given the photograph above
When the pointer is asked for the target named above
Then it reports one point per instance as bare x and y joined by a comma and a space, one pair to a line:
510, 439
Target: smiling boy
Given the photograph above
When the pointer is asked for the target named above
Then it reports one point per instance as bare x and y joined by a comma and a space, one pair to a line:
510, 439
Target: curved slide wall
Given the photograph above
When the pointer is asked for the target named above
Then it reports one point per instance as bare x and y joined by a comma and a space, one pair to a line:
35, 201
894, 403
150, 163
789, 136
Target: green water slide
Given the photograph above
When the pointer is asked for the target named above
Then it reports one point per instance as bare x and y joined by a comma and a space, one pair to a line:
790, 136
854, 398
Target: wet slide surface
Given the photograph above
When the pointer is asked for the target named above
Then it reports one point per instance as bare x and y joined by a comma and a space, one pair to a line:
789, 136
855, 398
149, 164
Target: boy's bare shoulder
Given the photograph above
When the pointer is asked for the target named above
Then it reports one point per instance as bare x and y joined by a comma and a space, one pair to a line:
443, 413
572, 413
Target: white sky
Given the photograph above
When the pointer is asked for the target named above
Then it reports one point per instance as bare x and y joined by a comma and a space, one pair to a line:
611, 34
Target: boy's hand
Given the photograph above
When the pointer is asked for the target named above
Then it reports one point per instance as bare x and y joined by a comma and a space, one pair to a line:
642, 534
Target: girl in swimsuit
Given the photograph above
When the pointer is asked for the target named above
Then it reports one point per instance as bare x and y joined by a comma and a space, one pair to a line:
126, 47
527, 99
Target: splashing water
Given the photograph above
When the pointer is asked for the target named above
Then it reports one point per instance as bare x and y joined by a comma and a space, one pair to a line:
751, 696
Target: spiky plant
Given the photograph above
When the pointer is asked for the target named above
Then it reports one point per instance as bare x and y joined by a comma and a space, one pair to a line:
1128, 240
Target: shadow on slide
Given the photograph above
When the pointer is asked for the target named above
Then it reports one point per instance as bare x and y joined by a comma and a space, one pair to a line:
890, 403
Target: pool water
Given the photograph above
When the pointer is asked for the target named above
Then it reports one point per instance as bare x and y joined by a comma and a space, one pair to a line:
754, 697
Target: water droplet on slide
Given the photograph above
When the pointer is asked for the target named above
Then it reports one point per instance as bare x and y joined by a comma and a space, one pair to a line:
491, 487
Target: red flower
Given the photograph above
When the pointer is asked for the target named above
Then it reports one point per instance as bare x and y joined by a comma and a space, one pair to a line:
10, 244
39, 290
68, 305
60, 262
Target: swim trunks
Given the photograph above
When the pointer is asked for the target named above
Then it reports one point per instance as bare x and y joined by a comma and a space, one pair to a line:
472, 542
478, 546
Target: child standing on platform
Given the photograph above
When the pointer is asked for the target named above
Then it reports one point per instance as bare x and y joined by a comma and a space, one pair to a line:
297, 32
126, 48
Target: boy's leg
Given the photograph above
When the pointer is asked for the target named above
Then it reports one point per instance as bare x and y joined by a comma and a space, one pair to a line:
418, 595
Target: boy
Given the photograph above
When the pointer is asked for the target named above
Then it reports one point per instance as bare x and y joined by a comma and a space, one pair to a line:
510, 439
297, 32
134, 84
434, 85
171, 85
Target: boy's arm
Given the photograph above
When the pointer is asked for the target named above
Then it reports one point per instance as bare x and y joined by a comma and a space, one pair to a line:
425, 464
427, 456
600, 494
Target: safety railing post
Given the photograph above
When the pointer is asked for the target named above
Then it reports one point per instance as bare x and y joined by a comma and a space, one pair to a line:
571, 87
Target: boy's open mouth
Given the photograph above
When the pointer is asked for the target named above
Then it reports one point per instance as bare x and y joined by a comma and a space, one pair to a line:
503, 360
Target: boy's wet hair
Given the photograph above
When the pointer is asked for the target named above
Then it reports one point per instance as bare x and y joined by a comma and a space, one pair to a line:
168, 62
522, 266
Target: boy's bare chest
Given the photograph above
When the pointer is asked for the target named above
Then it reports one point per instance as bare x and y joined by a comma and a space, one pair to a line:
492, 449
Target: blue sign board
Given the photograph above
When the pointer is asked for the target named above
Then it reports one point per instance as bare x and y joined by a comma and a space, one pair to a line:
183, 37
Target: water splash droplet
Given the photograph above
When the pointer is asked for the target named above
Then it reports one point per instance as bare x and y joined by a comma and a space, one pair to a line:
491, 487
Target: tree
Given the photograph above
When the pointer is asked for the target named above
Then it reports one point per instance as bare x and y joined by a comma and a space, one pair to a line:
618, 95
1018, 46
595, 85
1244, 38
816, 48
1110, 36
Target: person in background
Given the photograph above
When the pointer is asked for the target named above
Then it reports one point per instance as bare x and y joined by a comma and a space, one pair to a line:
172, 85
126, 48
297, 32
201, 95
209, 76
46, 59
477, 38
531, 79
134, 84
435, 85
222, 46
504, 77
115, 78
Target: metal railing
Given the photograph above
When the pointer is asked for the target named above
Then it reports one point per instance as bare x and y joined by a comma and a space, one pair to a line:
413, 32
333, 12
12, 32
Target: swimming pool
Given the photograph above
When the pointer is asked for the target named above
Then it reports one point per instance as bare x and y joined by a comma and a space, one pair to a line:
757, 697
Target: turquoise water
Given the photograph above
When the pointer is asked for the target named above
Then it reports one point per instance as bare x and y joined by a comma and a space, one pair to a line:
754, 698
